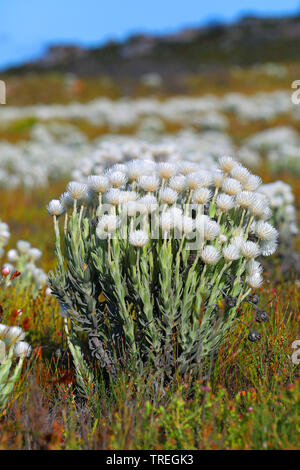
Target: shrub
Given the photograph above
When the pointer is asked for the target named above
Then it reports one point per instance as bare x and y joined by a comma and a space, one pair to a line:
156, 260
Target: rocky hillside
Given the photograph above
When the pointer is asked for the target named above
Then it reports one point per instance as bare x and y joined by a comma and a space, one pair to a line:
248, 41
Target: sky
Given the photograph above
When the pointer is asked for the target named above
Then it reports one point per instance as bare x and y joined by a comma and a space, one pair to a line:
27, 27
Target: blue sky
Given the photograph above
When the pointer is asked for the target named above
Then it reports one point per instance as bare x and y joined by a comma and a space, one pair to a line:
28, 26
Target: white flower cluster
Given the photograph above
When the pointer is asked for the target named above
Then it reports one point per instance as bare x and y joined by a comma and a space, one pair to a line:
4, 236
205, 110
223, 207
11, 341
284, 215
23, 259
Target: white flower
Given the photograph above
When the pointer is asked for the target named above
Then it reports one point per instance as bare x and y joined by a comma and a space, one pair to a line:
55, 208
166, 221
3, 330
76, 190
14, 333
231, 252
112, 196
148, 183
249, 249
137, 168
265, 231
148, 204
107, 223
231, 186
187, 167
138, 238
178, 183
240, 173
222, 238
268, 247
23, 247
66, 201
194, 180
211, 230
218, 178
98, 183
12, 255
226, 163
254, 267
201, 195
125, 196
254, 281
187, 224
210, 255
168, 195
132, 208
200, 222
244, 199
166, 170
258, 205
225, 202
117, 178
34, 253
252, 183
22, 349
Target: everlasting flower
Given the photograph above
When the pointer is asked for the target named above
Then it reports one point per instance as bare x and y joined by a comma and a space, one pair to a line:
98, 183
250, 249
112, 196
178, 183
66, 201
211, 230
12, 255
231, 186
138, 238
244, 199
55, 208
148, 183
254, 281
240, 173
107, 223
166, 170
231, 252
201, 195
14, 333
187, 224
117, 178
226, 163
254, 267
210, 255
23, 246
265, 231
22, 349
225, 202
168, 195
252, 183
148, 204
218, 178
34, 253
268, 247
76, 190
166, 221
258, 205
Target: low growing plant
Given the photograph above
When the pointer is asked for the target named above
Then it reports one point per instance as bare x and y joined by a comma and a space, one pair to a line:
156, 260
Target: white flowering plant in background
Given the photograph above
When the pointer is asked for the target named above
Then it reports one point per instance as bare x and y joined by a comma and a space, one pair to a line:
155, 259
24, 258
13, 351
